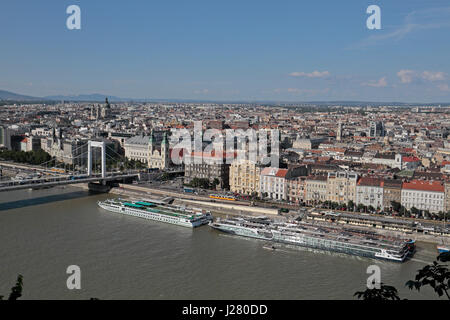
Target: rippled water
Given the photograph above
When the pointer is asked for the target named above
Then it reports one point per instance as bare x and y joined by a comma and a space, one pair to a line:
121, 257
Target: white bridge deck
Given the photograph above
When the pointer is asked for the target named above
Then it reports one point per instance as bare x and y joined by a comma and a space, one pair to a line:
57, 181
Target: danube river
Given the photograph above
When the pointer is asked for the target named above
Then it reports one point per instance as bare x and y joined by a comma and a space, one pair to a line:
43, 232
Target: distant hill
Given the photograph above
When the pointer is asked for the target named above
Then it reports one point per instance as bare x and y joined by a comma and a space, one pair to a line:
97, 97
7, 95
88, 97
11, 96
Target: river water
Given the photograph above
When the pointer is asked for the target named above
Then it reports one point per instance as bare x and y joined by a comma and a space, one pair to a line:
42, 232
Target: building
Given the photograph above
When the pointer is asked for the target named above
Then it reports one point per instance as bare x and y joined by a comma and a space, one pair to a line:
120, 137
307, 143
423, 195
296, 190
137, 148
376, 129
273, 183
11, 138
72, 152
447, 196
152, 150
369, 192
5, 138
341, 186
410, 163
211, 166
244, 177
339, 132
316, 189
392, 160
158, 152
42, 132
101, 112
392, 191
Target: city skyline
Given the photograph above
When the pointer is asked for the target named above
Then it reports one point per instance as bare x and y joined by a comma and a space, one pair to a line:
229, 52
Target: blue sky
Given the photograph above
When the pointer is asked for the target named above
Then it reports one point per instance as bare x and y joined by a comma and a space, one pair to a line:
228, 50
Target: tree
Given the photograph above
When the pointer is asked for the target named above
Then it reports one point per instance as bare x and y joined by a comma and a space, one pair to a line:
396, 206
415, 211
351, 205
16, 291
384, 293
434, 275
31, 157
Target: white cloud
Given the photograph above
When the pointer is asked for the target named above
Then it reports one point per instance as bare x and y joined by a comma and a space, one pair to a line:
429, 19
381, 83
433, 76
314, 74
444, 87
406, 76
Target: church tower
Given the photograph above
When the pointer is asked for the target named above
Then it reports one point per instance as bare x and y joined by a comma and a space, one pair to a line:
165, 151
339, 132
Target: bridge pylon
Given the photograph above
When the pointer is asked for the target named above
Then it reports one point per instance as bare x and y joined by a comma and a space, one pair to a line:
96, 144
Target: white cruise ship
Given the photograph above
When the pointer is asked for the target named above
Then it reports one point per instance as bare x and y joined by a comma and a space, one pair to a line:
329, 238
159, 212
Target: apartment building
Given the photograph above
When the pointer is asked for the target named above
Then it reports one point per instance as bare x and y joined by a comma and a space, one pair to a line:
369, 192
316, 189
423, 195
447, 196
212, 166
392, 191
273, 183
296, 190
341, 186
244, 177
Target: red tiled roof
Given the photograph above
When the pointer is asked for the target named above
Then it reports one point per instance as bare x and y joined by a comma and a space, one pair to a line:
367, 181
214, 154
282, 173
410, 159
434, 186
409, 150
318, 178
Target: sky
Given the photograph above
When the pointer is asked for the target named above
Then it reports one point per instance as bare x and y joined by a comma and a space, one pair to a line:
228, 50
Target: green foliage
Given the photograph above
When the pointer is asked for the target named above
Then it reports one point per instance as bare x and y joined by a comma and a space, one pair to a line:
16, 291
444, 257
200, 183
396, 206
129, 164
351, 205
383, 293
165, 176
434, 275
30, 157
414, 210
